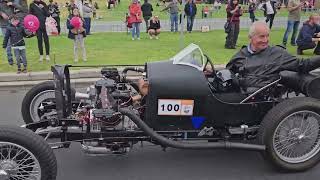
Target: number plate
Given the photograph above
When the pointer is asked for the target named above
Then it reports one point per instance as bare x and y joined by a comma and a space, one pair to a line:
175, 107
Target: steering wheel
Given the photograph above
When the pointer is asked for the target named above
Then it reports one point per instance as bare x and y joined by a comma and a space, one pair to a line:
213, 73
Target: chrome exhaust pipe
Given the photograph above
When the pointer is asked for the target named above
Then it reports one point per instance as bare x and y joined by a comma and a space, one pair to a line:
79, 95
95, 150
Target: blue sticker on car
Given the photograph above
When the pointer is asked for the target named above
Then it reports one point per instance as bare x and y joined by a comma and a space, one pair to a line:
197, 122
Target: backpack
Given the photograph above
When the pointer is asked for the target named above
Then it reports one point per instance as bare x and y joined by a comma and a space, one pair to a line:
51, 26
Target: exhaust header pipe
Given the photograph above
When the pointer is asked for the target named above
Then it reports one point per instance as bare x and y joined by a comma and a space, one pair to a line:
185, 145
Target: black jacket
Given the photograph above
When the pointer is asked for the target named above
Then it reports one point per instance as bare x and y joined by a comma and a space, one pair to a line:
16, 34
146, 9
40, 13
154, 25
187, 9
69, 26
307, 33
262, 68
54, 10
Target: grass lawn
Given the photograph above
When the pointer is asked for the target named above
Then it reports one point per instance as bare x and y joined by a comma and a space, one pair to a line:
118, 13
118, 48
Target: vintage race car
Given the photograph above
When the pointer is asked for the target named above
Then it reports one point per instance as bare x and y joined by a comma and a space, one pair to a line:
183, 102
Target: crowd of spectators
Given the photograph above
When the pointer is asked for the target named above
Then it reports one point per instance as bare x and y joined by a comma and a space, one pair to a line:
12, 14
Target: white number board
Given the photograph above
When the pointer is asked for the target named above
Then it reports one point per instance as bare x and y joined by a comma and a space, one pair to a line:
175, 107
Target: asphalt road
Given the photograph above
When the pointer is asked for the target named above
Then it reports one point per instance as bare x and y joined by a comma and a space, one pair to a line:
150, 162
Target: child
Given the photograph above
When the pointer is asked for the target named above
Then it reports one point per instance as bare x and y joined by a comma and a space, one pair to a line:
77, 34
205, 11
16, 32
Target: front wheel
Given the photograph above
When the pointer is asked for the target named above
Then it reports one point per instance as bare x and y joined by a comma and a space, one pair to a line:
291, 133
25, 155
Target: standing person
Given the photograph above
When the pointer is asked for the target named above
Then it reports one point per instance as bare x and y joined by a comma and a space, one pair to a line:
146, 12
252, 9
135, 18
40, 10
191, 10
294, 8
55, 13
7, 9
77, 34
154, 28
270, 10
87, 11
309, 35
15, 32
21, 9
174, 10
71, 6
234, 12
94, 10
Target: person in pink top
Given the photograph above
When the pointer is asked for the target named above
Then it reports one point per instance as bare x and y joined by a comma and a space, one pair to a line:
135, 18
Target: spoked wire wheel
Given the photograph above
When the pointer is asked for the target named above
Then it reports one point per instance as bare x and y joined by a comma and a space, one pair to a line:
18, 163
291, 133
297, 137
25, 156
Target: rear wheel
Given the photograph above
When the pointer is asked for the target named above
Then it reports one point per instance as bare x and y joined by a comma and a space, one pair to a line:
25, 155
291, 133
39, 102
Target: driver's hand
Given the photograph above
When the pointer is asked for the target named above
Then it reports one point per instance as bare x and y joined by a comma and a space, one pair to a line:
208, 70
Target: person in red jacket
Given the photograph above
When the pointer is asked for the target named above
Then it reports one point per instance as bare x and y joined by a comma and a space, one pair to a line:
135, 18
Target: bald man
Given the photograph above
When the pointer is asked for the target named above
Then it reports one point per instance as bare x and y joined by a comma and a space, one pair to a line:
259, 64
309, 36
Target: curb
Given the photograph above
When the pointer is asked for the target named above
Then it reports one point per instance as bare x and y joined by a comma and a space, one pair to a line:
79, 78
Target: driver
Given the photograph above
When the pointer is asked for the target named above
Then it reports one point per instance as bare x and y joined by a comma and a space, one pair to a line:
259, 64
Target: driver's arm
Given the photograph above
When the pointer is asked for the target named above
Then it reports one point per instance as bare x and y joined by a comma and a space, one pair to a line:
293, 63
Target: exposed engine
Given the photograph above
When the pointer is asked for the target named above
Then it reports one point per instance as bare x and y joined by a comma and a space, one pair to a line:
98, 107
98, 110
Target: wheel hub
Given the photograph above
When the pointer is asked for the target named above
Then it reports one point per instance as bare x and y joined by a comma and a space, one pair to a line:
296, 135
8, 167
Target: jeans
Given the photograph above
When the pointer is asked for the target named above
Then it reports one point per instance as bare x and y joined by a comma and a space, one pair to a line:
8, 49
87, 24
20, 55
135, 30
42, 33
174, 22
292, 25
79, 40
190, 20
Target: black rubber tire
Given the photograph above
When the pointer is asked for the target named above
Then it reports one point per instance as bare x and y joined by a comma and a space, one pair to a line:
25, 110
36, 145
269, 124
